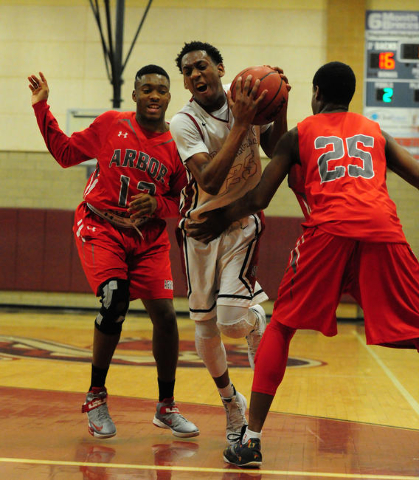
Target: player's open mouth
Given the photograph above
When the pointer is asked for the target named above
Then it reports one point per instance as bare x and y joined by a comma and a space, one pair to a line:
154, 107
201, 87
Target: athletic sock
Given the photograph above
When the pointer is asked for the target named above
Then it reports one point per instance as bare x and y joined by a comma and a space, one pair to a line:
228, 391
166, 389
248, 434
98, 377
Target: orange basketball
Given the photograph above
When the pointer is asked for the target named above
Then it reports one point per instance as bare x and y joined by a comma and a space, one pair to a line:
276, 98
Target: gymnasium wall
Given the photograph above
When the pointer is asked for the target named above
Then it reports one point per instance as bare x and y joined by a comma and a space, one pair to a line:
39, 253
60, 38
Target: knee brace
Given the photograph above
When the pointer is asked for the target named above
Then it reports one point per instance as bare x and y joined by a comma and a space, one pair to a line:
210, 348
235, 322
115, 303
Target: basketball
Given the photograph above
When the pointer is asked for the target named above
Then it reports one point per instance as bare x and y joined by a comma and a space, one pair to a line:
276, 98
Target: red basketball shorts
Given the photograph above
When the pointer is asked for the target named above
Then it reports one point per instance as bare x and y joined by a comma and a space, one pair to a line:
382, 277
108, 252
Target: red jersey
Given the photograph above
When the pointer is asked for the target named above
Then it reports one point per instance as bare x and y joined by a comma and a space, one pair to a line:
343, 166
130, 160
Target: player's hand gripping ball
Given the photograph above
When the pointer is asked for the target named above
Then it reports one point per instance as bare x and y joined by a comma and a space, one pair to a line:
276, 98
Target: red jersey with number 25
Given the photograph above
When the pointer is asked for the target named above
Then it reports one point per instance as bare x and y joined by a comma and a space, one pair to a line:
130, 160
344, 166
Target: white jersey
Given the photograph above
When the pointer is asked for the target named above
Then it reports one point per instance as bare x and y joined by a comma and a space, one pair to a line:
195, 131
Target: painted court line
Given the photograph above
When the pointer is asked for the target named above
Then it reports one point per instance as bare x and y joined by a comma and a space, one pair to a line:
412, 402
206, 470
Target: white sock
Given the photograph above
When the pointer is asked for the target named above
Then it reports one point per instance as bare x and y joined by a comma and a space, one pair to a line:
248, 434
227, 392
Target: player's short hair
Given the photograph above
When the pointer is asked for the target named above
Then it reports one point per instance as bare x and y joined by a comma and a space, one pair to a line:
210, 50
150, 69
336, 82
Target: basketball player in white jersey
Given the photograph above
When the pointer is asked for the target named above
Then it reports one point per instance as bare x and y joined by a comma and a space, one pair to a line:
219, 147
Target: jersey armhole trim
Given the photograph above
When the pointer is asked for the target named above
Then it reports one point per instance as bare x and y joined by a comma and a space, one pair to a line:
196, 124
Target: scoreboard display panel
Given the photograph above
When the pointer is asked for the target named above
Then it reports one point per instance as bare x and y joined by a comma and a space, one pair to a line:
391, 74
409, 52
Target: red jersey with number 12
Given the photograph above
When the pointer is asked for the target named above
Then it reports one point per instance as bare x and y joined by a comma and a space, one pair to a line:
343, 166
130, 160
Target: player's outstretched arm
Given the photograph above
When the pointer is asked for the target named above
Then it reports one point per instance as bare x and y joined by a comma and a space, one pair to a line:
66, 152
401, 162
269, 139
39, 88
214, 224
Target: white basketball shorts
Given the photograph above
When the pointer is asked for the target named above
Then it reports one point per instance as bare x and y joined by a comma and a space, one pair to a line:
224, 271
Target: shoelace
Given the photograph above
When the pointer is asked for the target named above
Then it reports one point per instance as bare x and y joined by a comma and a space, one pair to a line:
103, 412
238, 422
233, 437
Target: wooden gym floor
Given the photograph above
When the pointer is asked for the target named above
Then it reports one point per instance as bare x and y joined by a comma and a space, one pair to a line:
343, 411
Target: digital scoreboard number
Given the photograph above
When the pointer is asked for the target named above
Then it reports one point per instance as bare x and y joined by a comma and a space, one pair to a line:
392, 74
384, 94
382, 60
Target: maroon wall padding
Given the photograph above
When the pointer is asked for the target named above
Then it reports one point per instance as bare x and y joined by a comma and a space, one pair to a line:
38, 252
29, 260
8, 248
56, 258
278, 239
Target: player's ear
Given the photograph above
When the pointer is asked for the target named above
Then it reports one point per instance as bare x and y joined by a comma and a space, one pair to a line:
221, 70
134, 96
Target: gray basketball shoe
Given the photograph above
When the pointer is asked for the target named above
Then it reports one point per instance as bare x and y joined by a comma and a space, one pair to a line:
100, 423
254, 337
168, 416
235, 408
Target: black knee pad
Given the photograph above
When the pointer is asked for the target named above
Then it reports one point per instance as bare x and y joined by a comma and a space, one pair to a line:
115, 303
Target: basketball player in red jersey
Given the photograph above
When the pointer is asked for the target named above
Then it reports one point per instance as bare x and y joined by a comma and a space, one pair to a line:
352, 239
120, 233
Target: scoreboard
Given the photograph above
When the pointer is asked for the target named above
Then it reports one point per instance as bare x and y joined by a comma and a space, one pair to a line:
392, 73
391, 93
